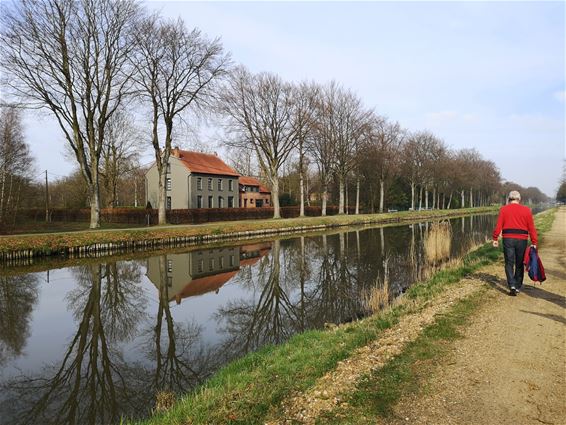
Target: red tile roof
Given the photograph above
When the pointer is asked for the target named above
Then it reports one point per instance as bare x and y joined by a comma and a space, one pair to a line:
204, 163
251, 181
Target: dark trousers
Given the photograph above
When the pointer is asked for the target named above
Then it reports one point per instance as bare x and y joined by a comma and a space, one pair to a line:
514, 252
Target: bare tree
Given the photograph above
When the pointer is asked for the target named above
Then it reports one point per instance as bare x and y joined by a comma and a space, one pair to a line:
71, 58
176, 73
381, 148
120, 154
16, 162
346, 120
303, 120
259, 111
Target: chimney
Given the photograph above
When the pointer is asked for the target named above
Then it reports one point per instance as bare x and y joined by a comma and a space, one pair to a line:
175, 152
215, 153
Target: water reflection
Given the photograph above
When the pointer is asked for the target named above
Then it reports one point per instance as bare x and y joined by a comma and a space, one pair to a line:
88, 384
137, 328
18, 296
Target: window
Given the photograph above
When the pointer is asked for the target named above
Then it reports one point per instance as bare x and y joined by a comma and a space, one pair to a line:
199, 201
211, 264
251, 201
220, 202
231, 261
231, 185
230, 202
221, 262
219, 184
199, 183
169, 281
168, 183
200, 268
209, 183
169, 266
210, 205
168, 203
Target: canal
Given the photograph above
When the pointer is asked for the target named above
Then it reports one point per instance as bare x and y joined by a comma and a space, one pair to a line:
97, 341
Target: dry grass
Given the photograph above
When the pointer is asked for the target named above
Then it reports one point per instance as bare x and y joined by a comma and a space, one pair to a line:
438, 242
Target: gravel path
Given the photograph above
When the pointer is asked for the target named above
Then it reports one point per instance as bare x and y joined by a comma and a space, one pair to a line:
511, 367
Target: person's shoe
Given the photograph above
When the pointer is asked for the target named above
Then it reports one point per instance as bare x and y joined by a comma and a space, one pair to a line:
513, 291
517, 290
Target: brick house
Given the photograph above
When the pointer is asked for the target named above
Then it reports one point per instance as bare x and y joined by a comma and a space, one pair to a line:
194, 180
253, 194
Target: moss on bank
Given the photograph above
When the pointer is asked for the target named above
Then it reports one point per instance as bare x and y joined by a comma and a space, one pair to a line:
246, 390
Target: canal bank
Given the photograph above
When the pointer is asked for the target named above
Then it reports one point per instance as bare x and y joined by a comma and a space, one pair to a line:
111, 242
308, 377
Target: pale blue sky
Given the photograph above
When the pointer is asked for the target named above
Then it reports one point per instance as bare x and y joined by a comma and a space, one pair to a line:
477, 74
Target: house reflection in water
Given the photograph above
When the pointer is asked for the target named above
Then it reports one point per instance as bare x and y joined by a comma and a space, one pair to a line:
199, 272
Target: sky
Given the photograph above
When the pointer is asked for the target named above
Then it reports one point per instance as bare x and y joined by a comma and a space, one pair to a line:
483, 75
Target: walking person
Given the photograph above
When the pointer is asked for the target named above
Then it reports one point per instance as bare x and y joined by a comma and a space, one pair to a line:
516, 224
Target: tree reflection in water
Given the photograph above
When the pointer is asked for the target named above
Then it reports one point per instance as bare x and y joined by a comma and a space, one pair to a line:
90, 383
181, 362
251, 324
18, 295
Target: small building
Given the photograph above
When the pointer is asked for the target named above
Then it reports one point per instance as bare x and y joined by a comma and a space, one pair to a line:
253, 194
194, 180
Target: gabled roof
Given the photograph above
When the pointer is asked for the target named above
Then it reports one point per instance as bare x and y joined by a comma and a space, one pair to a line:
252, 181
249, 181
204, 163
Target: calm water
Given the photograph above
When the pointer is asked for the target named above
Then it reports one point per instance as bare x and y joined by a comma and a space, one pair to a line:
91, 343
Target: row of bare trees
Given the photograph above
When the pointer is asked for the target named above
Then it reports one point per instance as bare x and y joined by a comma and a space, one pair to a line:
329, 127
88, 61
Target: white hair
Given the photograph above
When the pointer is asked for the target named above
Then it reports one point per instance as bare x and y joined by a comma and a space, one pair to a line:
514, 195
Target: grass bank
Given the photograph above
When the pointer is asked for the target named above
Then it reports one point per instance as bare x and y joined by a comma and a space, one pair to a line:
378, 392
112, 241
250, 389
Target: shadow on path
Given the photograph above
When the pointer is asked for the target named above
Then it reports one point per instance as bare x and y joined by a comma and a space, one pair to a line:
531, 291
554, 317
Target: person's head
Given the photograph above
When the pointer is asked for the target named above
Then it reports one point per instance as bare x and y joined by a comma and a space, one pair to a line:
514, 196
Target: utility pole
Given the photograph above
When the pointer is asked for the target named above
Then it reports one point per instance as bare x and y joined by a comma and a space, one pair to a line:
46, 198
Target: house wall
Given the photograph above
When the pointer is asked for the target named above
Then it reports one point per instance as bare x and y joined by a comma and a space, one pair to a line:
184, 190
215, 193
249, 196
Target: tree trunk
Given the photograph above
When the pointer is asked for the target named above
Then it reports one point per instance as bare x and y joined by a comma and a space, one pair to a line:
358, 196
426, 198
462, 201
449, 201
275, 196
347, 202
341, 195
301, 185
471, 199
420, 197
434, 205
94, 207
413, 196
381, 194
324, 198
162, 203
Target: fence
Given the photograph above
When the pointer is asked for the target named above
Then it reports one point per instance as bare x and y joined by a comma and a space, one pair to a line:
139, 216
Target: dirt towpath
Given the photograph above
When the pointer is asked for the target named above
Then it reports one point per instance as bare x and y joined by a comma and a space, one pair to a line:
511, 366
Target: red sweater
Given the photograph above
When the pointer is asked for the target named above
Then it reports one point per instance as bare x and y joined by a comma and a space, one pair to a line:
515, 221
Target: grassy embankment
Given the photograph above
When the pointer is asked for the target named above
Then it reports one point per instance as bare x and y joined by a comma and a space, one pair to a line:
248, 389
378, 392
55, 242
